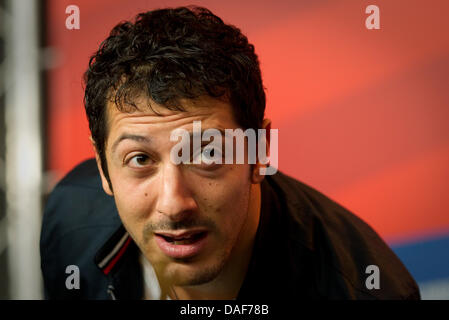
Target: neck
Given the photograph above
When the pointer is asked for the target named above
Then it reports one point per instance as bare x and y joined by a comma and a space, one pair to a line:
227, 284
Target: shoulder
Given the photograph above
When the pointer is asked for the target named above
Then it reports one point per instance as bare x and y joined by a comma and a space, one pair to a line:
78, 218
344, 244
78, 201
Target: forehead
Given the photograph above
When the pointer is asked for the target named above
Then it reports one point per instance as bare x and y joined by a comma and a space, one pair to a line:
214, 113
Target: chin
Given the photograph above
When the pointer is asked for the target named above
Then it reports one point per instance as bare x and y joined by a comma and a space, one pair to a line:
195, 273
195, 278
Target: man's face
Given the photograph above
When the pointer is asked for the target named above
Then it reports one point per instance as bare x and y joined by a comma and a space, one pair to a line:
160, 203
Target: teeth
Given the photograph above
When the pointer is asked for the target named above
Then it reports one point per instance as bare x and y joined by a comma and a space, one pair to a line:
184, 241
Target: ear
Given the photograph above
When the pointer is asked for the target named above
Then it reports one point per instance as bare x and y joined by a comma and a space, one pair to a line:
104, 181
256, 177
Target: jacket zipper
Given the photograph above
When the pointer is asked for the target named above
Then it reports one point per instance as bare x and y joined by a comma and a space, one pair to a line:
111, 292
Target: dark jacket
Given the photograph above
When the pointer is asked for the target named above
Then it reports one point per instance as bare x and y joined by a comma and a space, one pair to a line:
307, 246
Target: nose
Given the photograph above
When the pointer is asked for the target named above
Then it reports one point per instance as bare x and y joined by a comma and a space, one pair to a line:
175, 198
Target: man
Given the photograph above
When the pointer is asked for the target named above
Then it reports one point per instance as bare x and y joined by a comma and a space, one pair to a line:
136, 225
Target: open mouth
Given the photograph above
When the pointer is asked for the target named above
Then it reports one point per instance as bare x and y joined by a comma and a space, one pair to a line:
185, 245
184, 239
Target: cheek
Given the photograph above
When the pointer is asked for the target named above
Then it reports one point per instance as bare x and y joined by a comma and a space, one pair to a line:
134, 204
225, 200
131, 193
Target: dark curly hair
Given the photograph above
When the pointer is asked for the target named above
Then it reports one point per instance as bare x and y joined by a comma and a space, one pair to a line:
168, 55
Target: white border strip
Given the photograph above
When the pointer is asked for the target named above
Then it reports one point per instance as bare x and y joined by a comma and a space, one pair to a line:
435, 289
23, 150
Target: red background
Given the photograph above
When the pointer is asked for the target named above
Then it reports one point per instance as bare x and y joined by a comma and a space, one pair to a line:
363, 115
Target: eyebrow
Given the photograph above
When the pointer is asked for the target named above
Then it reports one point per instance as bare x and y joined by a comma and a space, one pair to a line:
138, 138
127, 136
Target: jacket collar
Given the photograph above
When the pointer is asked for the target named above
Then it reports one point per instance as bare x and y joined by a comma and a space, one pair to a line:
274, 271
118, 260
114, 248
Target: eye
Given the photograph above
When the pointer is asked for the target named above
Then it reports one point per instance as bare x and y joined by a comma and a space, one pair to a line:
208, 153
139, 161
207, 156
